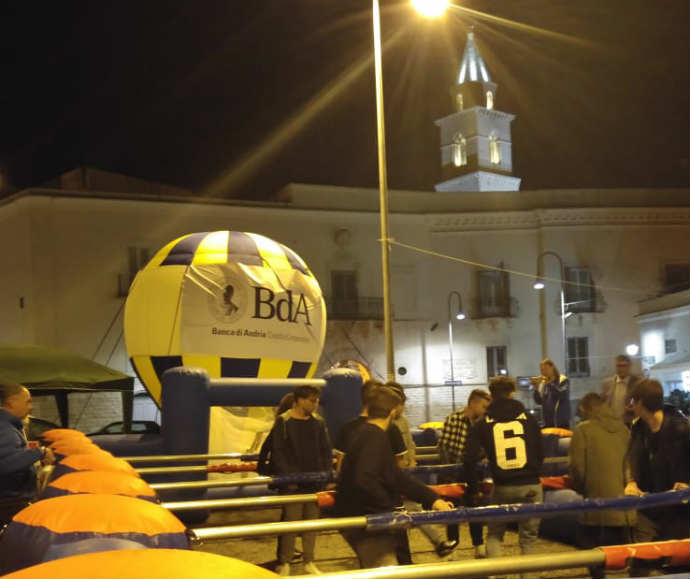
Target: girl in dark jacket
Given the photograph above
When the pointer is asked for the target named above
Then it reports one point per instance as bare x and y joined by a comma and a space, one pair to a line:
553, 393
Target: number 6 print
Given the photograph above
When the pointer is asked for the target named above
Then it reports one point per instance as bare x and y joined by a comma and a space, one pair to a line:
503, 444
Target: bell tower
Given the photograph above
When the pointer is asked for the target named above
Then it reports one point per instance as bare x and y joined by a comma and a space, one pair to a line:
476, 147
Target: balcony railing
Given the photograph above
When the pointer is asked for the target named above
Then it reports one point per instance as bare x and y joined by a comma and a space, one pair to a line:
355, 309
509, 308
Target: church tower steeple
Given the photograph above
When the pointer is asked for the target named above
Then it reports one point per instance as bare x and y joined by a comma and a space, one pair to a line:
476, 147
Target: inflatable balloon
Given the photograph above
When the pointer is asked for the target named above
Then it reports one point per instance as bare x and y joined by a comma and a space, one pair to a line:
355, 365
146, 564
102, 461
100, 482
56, 434
236, 304
41, 525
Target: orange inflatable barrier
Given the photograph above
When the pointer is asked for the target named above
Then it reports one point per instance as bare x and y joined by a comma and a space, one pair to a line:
560, 432
675, 552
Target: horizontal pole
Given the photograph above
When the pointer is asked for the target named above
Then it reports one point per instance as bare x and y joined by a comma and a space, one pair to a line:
171, 469
211, 484
283, 382
191, 457
426, 449
493, 513
556, 459
428, 457
260, 530
478, 567
242, 502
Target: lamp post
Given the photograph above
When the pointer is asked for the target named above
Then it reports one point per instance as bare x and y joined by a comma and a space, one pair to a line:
539, 285
432, 9
383, 194
459, 315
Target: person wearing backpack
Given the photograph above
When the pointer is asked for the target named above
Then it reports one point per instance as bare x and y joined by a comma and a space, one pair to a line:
300, 443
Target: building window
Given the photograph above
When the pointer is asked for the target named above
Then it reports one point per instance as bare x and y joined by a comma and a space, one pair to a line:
496, 361
345, 298
579, 291
494, 293
578, 357
670, 347
137, 258
459, 102
676, 277
494, 150
459, 150
489, 99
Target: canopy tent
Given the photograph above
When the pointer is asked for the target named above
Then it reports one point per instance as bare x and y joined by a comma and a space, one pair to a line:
50, 371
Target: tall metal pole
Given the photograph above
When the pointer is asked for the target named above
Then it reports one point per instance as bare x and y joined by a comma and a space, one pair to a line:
450, 345
561, 270
383, 195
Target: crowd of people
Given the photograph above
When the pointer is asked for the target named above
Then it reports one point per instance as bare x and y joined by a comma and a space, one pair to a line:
627, 443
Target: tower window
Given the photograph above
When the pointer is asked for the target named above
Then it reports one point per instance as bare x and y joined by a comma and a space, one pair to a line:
459, 102
489, 99
459, 150
494, 150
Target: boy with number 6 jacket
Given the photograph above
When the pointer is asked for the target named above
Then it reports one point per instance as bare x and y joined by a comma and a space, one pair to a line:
511, 440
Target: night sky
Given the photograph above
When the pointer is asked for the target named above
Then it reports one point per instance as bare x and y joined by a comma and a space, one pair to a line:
187, 92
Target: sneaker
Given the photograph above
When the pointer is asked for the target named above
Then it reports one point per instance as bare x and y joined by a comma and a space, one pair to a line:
312, 569
445, 548
283, 569
480, 552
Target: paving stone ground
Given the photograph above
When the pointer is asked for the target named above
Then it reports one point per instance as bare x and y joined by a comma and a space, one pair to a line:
334, 554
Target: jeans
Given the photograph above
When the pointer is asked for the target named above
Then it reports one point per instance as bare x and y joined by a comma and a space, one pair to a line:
286, 545
528, 528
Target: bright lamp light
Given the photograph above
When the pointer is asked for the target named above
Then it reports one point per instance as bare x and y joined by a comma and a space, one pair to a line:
430, 8
538, 285
632, 349
460, 316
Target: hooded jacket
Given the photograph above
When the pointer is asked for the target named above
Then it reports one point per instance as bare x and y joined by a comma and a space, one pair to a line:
511, 439
597, 451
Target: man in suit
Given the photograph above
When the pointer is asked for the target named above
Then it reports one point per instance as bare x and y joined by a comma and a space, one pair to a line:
617, 390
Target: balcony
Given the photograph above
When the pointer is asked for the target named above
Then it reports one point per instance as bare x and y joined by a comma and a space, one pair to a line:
483, 309
355, 308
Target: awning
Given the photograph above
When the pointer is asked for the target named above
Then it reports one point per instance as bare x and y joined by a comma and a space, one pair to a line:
58, 372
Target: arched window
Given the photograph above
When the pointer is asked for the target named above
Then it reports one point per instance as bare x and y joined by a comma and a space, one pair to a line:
494, 150
489, 99
459, 150
458, 102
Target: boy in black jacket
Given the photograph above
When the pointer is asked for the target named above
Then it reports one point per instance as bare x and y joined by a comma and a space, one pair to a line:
371, 482
300, 443
511, 440
657, 461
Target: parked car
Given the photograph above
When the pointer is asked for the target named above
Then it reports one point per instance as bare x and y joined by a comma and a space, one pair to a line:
138, 427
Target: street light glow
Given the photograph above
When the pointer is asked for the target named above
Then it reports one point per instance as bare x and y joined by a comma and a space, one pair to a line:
460, 316
430, 8
632, 349
538, 285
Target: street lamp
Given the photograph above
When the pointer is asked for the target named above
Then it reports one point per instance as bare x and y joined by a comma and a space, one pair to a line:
458, 315
431, 8
539, 285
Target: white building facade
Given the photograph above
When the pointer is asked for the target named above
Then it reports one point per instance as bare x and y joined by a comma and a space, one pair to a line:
71, 254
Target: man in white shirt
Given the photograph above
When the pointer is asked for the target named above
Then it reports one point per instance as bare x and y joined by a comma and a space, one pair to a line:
617, 390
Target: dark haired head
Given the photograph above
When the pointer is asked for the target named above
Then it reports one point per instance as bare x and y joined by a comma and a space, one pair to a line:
382, 401
650, 394
9, 388
367, 388
478, 393
501, 386
398, 389
286, 403
590, 403
306, 392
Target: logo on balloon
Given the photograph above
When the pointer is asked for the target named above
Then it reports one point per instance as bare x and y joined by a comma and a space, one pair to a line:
227, 299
